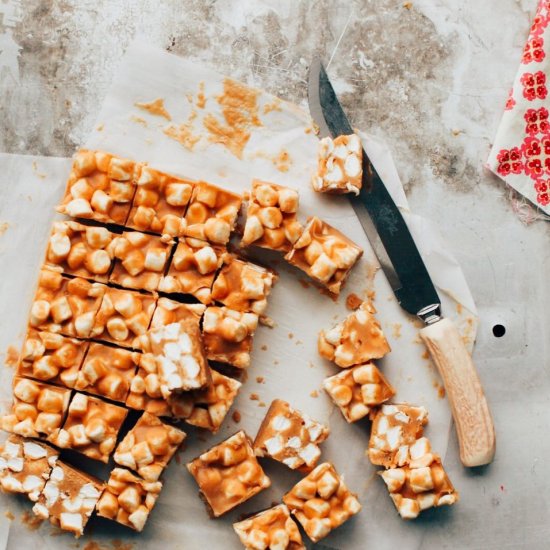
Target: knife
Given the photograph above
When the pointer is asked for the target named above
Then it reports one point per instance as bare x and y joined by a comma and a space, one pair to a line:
411, 283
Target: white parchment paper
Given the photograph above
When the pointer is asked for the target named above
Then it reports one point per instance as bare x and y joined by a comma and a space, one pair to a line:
285, 357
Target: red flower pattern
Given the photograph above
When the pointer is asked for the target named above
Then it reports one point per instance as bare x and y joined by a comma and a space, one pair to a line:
509, 161
537, 156
540, 22
537, 121
534, 85
542, 188
510, 102
533, 51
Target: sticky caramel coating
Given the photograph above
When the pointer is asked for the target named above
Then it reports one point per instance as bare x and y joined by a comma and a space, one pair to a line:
206, 408
193, 269
339, 165
356, 340
394, 430
212, 213
324, 254
38, 409
243, 286
272, 528
107, 372
25, 466
69, 498
128, 499
227, 335
91, 427
51, 358
321, 502
422, 485
123, 317
65, 306
169, 311
290, 436
271, 217
179, 356
358, 389
100, 187
160, 203
228, 474
148, 447
141, 261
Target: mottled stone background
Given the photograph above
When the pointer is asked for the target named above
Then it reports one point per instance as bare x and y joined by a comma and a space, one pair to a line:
431, 78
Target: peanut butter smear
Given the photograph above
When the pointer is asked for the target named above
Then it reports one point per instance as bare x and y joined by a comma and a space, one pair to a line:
155, 107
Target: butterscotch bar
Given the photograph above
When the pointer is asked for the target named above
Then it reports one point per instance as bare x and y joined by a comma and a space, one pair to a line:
81, 250
321, 502
51, 358
339, 165
228, 335
68, 498
141, 260
148, 447
271, 220
65, 306
395, 429
212, 213
357, 390
169, 311
193, 269
107, 372
123, 317
91, 427
243, 286
290, 436
38, 409
228, 474
421, 485
25, 466
100, 187
160, 203
272, 528
324, 254
357, 339
128, 499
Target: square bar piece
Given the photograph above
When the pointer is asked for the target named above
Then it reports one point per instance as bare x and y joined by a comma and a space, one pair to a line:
271, 220
25, 466
243, 286
69, 498
357, 339
339, 165
169, 311
108, 372
51, 358
358, 389
91, 427
212, 213
128, 499
206, 408
148, 447
65, 306
228, 474
160, 203
100, 187
321, 502
324, 254
228, 335
81, 250
395, 429
193, 269
38, 409
123, 317
290, 436
421, 485
141, 260
272, 528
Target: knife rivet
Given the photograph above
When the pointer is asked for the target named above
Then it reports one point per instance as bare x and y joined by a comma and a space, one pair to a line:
499, 331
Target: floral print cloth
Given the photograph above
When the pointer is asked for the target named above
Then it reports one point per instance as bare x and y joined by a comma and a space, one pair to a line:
521, 151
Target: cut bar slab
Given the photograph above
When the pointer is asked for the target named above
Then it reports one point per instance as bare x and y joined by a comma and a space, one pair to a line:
169, 311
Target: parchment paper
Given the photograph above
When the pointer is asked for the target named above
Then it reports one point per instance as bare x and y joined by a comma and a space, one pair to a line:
285, 356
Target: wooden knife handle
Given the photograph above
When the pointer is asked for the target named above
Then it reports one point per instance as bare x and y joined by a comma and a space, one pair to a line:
474, 424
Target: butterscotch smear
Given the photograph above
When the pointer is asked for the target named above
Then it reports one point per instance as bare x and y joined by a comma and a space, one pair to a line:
353, 302
201, 98
31, 521
236, 416
183, 134
12, 356
274, 105
282, 161
155, 107
4, 227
